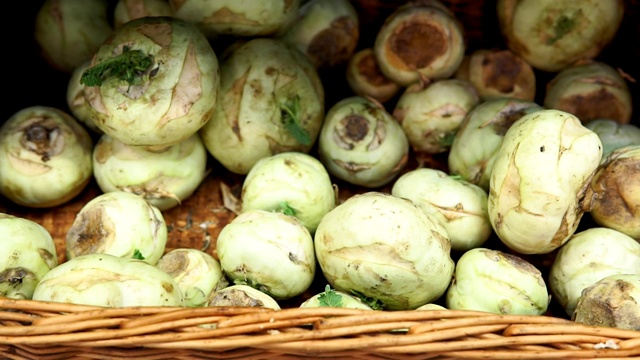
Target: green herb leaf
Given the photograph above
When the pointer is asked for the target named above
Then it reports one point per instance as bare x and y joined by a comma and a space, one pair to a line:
564, 24
137, 255
330, 298
286, 209
456, 177
291, 120
447, 139
375, 304
126, 66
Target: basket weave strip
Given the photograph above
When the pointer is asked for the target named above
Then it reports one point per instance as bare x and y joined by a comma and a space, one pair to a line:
29, 328
545, 328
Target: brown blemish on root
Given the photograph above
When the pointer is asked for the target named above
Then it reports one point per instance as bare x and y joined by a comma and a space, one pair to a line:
508, 196
226, 16
167, 287
599, 104
607, 304
368, 68
89, 233
416, 44
350, 130
501, 70
516, 262
14, 276
506, 117
231, 103
49, 258
355, 127
187, 91
103, 150
614, 186
158, 33
335, 44
234, 297
42, 136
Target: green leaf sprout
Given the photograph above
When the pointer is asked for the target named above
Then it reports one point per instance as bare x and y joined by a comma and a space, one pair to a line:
330, 298
137, 255
563, 25
375, 304
287, 209
291, 120
126, 66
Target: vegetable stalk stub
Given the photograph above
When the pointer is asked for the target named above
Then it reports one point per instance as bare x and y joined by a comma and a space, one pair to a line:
154, 82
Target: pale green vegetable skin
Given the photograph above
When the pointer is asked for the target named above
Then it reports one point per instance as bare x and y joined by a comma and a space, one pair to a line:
496, 282
613, 301
430, 114
70, 31
587, 257
320, 21
460, 206
127, 10
110, 281
537, 29
346, 301
258, 78
612, 198
480, 135
77, 102
573, 88
431, 307
242, 295
614, 135
361, 143
173, 103
269, 251
197, 273
386, 248
27, 253
238, 18
118, 223
164, 178
441, 22
298, 179
539, 176
31, 179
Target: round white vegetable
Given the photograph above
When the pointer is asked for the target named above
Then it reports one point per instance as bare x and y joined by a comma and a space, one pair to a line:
163, 177
169, 88
333, 298
540, 174
27, 253
294, 183
587, 257
110, 281
197, 273
120, 224
45, 157
497, 282
460, 206
385, 248
431, 114
242, 295
269, 251
361, 143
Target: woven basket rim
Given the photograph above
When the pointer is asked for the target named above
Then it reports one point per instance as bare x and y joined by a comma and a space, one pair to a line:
152, 332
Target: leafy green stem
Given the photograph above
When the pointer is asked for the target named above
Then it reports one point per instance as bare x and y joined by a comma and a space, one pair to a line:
126, 66
291, 119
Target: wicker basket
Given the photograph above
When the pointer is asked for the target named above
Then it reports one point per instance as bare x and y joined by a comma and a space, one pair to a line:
39, 330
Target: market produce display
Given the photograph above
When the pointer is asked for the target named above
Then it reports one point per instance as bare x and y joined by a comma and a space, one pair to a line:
285, 155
